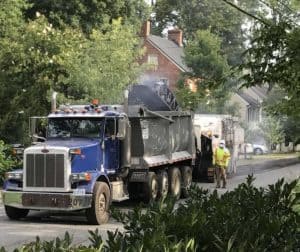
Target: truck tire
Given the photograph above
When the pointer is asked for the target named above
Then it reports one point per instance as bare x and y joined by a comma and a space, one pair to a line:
187, 178
15, 213
150, 188
98, 213
163, 184
174, 182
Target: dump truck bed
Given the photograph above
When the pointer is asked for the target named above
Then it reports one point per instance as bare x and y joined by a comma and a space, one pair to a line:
161, 137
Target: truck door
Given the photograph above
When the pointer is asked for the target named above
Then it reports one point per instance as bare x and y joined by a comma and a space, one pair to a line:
111, 145
38, 128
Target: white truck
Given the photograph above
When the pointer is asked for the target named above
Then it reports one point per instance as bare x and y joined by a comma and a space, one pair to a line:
217, 127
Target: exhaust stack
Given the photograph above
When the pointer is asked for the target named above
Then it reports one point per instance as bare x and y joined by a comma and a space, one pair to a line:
126, 94
53, 102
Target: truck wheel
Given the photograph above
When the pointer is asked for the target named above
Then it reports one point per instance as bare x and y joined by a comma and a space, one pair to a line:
187, 178
150, 188
163, 184
175, 182
15, 213
98, 213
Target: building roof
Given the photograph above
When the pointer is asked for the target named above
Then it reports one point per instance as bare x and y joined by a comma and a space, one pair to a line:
170, 49
261, 92
249, 99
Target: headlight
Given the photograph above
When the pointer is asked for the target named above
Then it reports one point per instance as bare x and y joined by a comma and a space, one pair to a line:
83, 176
14, 175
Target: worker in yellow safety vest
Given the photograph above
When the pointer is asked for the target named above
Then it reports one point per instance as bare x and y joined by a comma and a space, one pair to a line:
221, 159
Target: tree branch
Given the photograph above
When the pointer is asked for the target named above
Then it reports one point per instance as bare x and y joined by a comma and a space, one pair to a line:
245, 12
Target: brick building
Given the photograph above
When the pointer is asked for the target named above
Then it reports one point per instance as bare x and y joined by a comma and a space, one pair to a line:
164, 56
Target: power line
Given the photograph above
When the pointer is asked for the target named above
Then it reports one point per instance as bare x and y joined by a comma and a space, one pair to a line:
246, 13
255, 17
278, 12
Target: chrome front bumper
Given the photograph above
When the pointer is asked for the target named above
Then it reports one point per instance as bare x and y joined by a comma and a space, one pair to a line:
46, 201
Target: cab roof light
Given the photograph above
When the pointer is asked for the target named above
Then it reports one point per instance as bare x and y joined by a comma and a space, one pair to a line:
95, 102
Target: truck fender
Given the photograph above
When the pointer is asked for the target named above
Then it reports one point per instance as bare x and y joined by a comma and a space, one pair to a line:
101, 178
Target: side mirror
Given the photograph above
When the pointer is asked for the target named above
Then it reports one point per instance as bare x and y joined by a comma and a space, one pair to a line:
39, 137
37, 125
122, 128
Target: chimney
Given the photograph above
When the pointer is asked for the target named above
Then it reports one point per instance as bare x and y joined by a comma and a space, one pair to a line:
145, 31
176, 36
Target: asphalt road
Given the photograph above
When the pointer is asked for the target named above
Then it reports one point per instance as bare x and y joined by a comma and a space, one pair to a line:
49, 225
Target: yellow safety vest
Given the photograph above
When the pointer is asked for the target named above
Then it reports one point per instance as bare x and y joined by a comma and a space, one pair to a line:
221, 157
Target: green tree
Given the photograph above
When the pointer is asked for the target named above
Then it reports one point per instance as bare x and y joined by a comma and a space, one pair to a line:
272, 57
11, 19
273, 54
213, 15
7, 161
106, 66
272, 131
204, 56
37, 58
89, 14
32, 61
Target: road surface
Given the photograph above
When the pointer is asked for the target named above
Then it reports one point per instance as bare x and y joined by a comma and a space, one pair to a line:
50, 225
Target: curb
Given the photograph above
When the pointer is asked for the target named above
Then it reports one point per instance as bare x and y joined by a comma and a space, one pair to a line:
265, 166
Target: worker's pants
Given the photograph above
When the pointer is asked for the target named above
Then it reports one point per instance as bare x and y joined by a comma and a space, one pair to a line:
221, 174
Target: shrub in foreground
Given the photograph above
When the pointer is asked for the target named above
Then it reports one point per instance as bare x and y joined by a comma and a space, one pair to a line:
246, 219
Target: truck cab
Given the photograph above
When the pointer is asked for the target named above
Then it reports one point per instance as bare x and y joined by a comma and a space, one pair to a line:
63, 171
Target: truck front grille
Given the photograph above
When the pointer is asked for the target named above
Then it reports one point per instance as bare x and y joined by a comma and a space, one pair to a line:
45, 170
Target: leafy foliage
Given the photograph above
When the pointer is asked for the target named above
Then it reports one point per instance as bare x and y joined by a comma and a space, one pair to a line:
37, 58
272, 130
274, 59
7, 161
192, 16
246, 219
204, 56
107, 63
273, 55
89, 14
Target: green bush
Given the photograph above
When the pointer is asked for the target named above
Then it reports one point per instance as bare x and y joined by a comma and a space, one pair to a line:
246, 219
7, 161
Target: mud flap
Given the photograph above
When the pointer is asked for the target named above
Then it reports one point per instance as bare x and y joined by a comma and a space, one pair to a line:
211, 174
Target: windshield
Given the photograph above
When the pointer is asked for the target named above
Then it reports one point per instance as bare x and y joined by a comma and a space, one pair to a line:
75, 127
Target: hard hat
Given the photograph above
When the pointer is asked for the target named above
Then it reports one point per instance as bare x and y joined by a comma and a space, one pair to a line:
222, 141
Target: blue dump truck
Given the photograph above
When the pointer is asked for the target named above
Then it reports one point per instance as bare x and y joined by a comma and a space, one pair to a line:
92, 155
